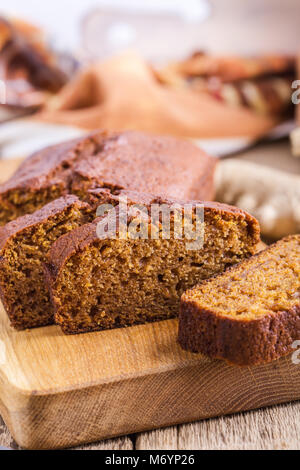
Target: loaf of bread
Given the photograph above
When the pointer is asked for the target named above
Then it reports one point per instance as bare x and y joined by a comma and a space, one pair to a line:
262, 84
129, 160
108, 282
24, 243
250, 314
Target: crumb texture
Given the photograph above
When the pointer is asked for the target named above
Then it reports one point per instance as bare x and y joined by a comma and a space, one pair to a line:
250, 313
24, 245
98, 284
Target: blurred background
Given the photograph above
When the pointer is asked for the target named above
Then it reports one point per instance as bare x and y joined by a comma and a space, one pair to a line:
164, 29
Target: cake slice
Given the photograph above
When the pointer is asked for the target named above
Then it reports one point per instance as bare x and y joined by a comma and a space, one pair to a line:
128, 160
24, 243
250, 314
99, 283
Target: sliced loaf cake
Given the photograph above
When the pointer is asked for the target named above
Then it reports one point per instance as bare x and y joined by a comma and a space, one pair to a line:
250, 314
99, 283
24, 243
128, 160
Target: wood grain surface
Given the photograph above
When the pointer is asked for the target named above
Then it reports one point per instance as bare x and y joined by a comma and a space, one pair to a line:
276, 427
62, 391
122, 443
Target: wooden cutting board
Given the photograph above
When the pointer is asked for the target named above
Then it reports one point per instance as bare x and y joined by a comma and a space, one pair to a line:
60, 391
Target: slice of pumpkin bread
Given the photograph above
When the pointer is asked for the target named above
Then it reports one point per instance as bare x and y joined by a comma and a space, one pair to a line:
24, 243
250, 314
126, 160
99, 283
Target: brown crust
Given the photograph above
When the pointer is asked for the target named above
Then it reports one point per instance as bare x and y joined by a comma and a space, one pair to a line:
136, 197
82, 236
241, 342
160, 165
28, 220
39, 169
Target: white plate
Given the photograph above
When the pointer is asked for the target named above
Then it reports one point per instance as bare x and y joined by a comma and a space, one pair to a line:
229, 146
22, 137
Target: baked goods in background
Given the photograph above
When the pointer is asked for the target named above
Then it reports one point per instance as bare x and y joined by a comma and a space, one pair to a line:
270, 195
130, 160
125, 92
233, 68
262, 84
251, 313
100, 283
28, 67
203, 96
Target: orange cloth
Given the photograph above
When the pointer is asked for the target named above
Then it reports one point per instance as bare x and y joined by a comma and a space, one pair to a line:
123, 93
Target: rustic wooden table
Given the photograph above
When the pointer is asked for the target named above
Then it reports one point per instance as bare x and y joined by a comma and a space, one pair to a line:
276, 427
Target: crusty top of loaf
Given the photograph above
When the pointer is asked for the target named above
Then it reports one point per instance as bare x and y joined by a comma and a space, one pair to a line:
49, 210
156, 164
85, 235
104, 195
